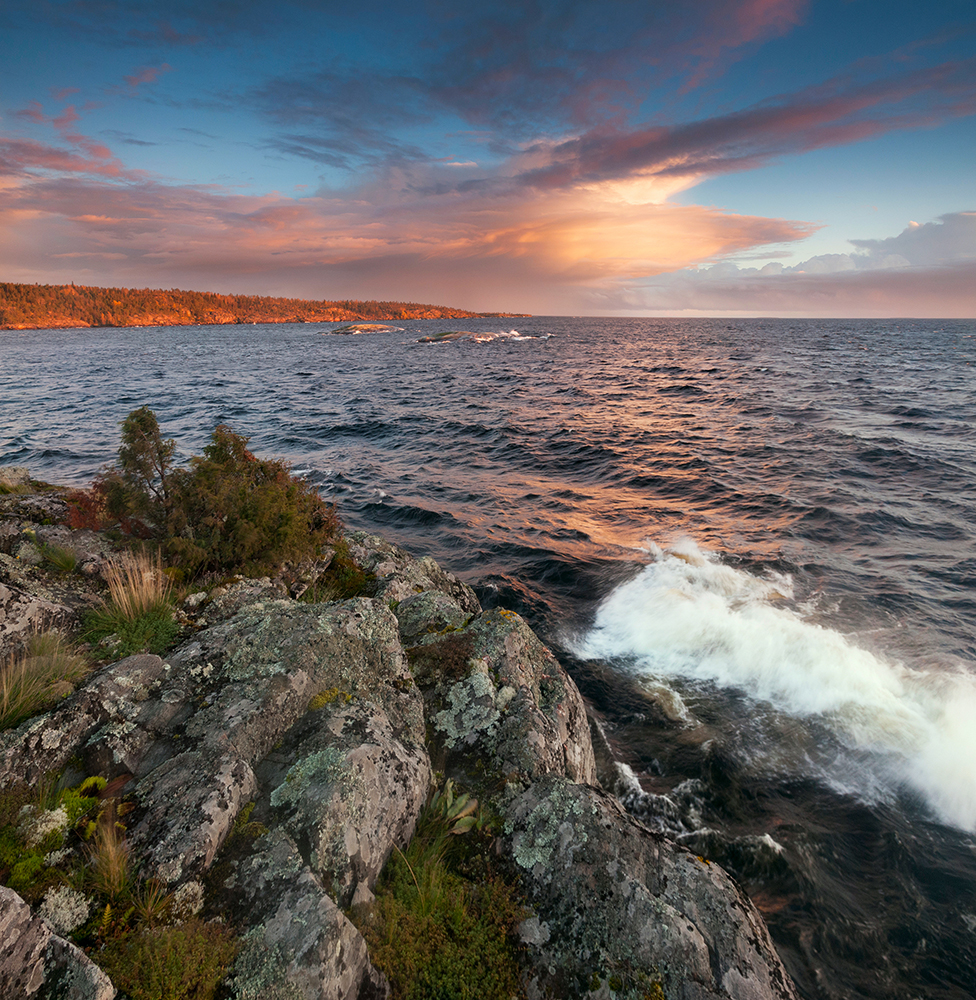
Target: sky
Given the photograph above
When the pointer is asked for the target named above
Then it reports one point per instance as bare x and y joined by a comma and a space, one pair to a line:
623, 157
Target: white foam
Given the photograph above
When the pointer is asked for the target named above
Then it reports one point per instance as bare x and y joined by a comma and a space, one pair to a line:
688, 615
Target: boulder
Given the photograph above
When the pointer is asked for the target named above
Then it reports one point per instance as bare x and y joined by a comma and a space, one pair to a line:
613, 900
300, 944
400, 575
37, 964
501, 707
23, 613
14, 477
429, 611
352, 793
117, 712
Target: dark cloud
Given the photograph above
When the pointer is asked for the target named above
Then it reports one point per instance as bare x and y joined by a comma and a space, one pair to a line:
126, 137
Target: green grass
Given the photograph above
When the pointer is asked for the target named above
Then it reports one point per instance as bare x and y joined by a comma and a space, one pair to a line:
37, 677
138, 610
444, 921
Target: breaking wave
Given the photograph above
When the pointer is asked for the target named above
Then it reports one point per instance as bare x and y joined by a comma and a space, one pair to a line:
686, 615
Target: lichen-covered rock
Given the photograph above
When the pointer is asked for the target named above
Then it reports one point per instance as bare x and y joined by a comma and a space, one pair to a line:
114, 711
226, 601
353, 646
300, 945
14, 476
190, 805
614, 899
501, 706
427, 612
37, 964
400, 575
23, 613
353, 792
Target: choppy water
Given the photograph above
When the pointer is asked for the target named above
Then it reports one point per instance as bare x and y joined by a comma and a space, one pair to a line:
752, 542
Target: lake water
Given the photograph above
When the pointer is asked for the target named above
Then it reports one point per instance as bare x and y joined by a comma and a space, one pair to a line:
752, 542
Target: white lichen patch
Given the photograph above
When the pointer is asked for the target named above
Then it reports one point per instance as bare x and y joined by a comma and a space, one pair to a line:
549, 832
260, 971
43, 823
470, 710
188, 900
324, 768
64, 909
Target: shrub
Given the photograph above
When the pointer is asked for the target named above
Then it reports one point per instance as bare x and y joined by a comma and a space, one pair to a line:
235, 512
35, 678
186, 962
227, 512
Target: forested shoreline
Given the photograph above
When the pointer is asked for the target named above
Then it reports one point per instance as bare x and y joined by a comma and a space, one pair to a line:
26, 307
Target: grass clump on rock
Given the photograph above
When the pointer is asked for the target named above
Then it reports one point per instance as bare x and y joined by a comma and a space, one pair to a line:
226, 512
444, 921
138, 612
36, 677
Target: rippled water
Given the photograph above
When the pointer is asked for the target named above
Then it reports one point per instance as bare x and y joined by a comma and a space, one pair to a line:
752, 542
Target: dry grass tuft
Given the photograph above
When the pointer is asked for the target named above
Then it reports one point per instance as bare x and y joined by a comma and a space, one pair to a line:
137, 583
36, 677
111, 857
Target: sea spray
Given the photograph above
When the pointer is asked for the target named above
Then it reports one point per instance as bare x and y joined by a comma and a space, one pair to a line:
687, 615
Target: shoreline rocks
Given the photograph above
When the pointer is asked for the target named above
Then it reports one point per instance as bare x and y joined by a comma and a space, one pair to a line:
332, 719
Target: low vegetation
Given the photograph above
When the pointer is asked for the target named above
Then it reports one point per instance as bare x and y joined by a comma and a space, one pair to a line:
65, 851
444, 921
36, 677
138, 614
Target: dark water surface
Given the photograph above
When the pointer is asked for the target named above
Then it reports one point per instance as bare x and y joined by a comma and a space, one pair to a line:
753, 543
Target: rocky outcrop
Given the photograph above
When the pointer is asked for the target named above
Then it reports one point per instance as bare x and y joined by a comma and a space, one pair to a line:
331, 720
37, 964
613, 899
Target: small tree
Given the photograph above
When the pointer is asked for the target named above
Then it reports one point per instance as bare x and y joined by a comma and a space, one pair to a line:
228, 512
140, 486
245, 513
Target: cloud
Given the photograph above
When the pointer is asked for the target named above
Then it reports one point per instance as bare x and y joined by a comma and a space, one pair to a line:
926, 270
896, 292
21, 157
835, 113
146, 74
383, 228
952, 238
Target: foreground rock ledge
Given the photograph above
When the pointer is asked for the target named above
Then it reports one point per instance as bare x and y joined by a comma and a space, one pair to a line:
327, 717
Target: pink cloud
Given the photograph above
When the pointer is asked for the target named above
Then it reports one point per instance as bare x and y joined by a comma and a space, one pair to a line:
22, 157
835, 113
146, 74
147, 233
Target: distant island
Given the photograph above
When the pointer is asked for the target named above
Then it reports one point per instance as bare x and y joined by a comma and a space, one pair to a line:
32, 307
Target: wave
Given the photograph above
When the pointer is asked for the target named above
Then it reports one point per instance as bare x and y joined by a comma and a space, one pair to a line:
686, 615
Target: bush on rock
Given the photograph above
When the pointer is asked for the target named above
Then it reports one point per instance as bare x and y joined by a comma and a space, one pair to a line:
229, 511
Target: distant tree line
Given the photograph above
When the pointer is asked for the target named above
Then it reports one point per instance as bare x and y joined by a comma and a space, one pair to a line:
25, 307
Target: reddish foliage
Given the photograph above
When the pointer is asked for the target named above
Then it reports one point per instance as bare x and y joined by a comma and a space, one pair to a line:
86, 509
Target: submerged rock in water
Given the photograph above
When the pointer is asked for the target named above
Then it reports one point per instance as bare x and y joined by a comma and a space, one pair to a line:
614, 900
364, 328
